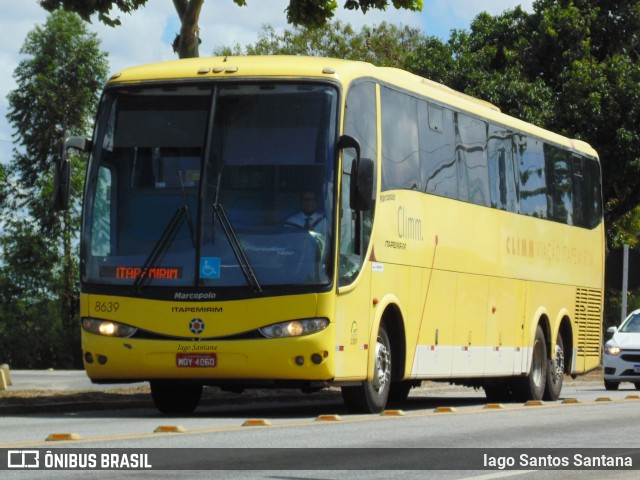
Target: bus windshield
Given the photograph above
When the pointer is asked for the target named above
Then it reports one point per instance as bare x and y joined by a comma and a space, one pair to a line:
229, 185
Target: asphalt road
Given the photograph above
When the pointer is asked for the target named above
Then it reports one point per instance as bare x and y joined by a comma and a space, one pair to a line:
600, 419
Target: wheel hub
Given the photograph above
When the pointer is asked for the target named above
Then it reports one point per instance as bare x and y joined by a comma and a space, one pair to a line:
382, 372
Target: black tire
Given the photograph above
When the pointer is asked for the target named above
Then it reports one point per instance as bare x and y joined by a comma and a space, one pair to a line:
532, 386
371, 396
174, 398
611, 385
555, 372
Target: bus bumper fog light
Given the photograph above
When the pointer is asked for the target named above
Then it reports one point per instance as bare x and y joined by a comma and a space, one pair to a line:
299, 360
316, 358
88, 357
102, 359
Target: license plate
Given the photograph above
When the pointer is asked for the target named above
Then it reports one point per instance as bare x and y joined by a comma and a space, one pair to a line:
196, 360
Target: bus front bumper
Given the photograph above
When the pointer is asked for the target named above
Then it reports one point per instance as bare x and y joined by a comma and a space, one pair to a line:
308, 358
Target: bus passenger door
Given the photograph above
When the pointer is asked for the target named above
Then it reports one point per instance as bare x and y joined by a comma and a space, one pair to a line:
354, 308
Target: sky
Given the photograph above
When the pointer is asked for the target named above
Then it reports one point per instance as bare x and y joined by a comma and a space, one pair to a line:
146, 35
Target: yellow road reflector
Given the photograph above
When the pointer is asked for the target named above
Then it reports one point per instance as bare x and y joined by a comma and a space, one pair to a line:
632, 397
445, 409
170, 429
328, 418
533, 403
61, 437
603, 399
570, 400
7, 376
393, 413
495, 406
3, 381
256, 423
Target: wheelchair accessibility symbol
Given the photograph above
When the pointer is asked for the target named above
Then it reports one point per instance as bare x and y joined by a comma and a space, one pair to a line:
210, 267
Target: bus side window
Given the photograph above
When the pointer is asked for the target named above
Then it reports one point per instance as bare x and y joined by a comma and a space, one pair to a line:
437, 151
355, 227
533, 186
400, 150
559, 184
503, 181
101, 220
473, 183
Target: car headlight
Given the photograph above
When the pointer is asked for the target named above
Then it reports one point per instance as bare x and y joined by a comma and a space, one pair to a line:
611, 349
294, 328
108, 328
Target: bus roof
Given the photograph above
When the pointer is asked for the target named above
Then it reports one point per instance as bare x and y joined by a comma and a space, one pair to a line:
345, 71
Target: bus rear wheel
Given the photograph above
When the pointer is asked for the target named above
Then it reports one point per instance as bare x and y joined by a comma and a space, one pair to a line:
174, 398
371, 396
555, 372
533, 385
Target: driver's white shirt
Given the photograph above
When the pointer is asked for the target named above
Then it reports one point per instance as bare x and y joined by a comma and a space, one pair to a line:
316, 221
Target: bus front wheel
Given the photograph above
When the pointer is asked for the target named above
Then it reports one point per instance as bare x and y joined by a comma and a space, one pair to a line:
175, 399
533, 385
371, 396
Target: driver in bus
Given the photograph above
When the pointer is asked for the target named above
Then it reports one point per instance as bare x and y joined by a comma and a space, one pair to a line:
309, 218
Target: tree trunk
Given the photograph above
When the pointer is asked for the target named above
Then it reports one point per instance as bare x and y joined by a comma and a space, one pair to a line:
186, 45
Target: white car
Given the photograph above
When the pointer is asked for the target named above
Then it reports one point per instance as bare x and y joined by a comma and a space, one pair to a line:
621, 359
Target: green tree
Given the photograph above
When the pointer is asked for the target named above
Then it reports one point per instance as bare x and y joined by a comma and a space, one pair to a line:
384, 44
308, 13
56, 95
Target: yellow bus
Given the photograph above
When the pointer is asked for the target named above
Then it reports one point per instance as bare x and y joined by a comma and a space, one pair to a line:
444, 241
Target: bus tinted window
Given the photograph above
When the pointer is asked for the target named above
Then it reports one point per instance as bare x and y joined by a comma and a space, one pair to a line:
533, 188
437, 152
473, 184
559, 184
400, 159
592, 193
503, 182
360, 118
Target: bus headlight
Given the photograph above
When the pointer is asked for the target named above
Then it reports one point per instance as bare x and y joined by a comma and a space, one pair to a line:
108, 328
294, 328
611, 349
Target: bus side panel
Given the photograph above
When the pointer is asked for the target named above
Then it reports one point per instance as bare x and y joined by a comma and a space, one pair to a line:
434, 350
504, 326
470, 326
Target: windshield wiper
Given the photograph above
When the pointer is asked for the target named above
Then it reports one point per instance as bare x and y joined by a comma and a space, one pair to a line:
168, 234
238, 251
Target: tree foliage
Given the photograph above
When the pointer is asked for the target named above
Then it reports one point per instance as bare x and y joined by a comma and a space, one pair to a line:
56, 94
384, 44
306, 13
